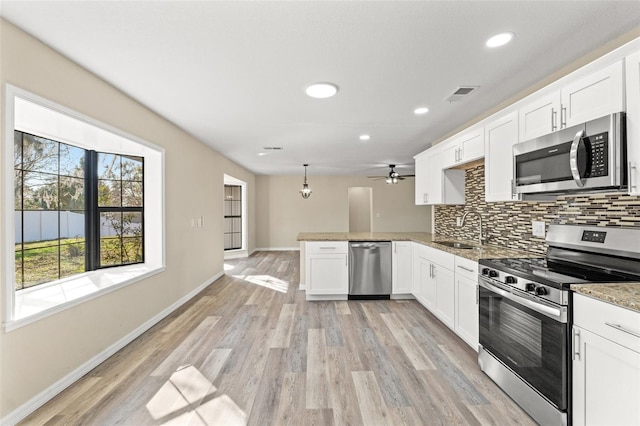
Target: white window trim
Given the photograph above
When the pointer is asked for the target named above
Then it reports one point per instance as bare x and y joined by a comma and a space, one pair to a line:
91, 284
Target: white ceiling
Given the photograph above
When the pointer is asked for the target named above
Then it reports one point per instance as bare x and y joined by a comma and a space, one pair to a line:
233, 73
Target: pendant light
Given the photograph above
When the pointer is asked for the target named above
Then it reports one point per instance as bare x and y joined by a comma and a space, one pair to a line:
305, 191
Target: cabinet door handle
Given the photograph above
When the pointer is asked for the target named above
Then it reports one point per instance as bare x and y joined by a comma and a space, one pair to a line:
328, 248
623, 329
631, 175
477, 294
576, 344
465, 269
554, 126
425, 197
563, 117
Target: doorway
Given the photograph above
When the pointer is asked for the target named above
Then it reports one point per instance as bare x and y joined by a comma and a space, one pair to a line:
360, 209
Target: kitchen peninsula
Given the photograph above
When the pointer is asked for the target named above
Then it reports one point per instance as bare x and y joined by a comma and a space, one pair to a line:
409, 245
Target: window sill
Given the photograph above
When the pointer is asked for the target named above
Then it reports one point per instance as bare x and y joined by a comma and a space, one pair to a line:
42, 301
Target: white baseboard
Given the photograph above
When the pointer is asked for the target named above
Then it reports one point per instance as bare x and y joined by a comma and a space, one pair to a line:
236, 254
277, 249
43, 397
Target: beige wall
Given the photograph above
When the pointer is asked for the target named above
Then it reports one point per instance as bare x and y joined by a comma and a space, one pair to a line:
283, 213
37, 355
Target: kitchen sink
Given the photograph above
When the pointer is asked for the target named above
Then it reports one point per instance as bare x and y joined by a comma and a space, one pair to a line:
454, 244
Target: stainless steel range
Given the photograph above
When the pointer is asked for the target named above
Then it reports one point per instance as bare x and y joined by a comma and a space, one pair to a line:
525, 312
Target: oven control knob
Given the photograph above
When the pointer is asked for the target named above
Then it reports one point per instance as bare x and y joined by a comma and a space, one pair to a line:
485, 271
530, 287
493, 273
510, 279
541, 291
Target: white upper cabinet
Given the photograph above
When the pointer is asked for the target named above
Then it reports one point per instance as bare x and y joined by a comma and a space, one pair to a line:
596, 95
464, 148
539, 117
500, 136
422, 177
633, 120
433, 185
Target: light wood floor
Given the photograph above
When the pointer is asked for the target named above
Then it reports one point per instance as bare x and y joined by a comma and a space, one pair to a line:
250, 350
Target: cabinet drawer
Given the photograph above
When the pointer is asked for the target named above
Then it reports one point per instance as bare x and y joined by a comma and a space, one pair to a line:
439, 257
327, 247
606, 320
466, 268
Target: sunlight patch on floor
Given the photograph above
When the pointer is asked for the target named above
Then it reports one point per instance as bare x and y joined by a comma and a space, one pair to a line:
267, 281
179, 402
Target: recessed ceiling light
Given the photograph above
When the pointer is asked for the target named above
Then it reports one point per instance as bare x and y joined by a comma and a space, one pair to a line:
500, 39
321, 90
365, 137
261, 154
421, 110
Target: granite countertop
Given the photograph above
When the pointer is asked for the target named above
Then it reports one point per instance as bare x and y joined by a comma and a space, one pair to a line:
626, 295
426, 238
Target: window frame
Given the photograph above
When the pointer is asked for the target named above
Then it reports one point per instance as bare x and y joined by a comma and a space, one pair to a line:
92, 209
111, 140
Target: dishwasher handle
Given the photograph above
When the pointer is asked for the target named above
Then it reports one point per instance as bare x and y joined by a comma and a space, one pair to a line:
366, 245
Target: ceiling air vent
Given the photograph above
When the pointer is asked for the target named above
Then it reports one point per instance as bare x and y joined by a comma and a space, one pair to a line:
273, 148
460, 93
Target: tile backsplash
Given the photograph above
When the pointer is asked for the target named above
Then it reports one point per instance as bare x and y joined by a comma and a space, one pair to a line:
508, 224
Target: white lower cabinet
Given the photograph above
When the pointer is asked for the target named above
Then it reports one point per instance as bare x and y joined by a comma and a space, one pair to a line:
606, 364
423, 287
401, 270
433, 282
445, 295
327, 269
466, 298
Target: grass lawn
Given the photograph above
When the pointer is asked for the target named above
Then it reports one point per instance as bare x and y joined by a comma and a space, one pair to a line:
46, 261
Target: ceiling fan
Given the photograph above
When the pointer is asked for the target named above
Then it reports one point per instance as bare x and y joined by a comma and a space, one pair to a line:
393, 177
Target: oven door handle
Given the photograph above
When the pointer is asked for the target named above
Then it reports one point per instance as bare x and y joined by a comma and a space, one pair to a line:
559, 314
573, 159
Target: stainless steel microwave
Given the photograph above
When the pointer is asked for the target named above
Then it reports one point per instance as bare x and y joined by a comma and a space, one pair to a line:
589, 157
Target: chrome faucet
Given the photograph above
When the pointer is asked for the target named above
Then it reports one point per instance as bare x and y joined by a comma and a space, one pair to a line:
464, 216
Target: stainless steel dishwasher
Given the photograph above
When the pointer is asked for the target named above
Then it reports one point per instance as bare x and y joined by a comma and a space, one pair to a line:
369, 270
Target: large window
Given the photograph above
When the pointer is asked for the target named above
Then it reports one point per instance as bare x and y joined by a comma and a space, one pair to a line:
75, 209
83, 208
